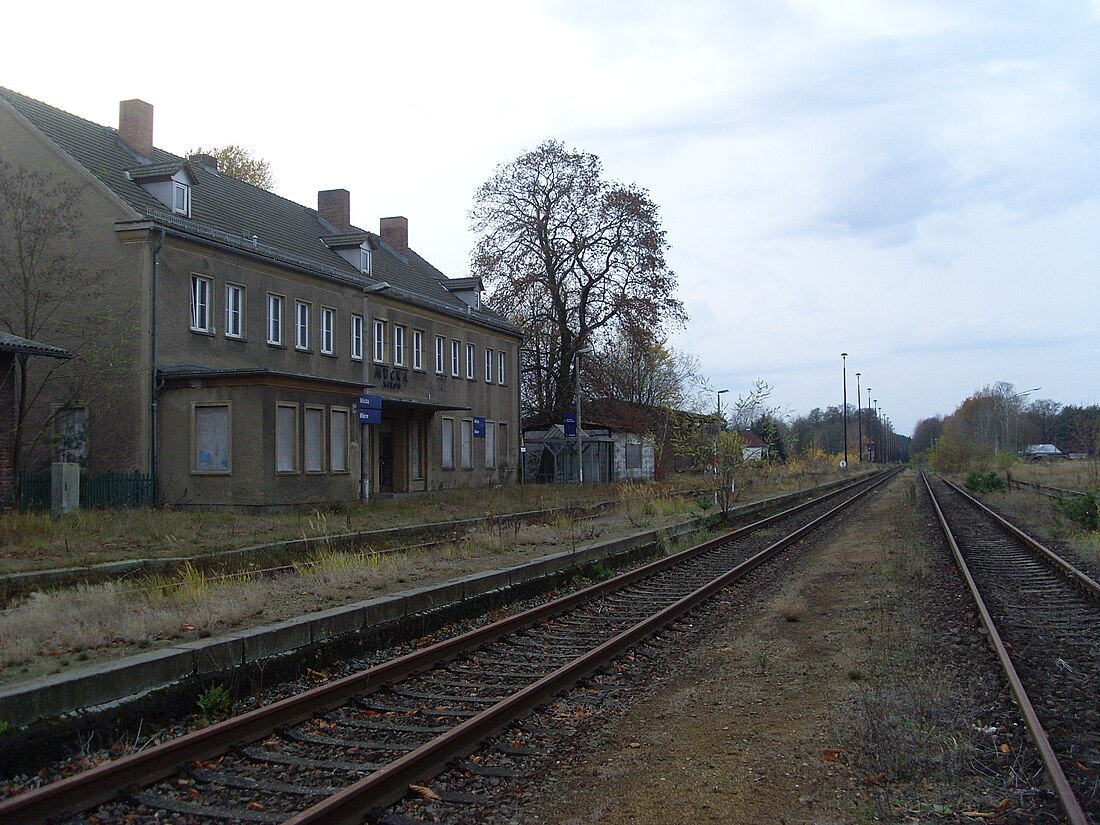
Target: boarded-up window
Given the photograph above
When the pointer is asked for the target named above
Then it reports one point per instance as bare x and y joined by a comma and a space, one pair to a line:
414, 451
448, 444
286, 438
211, 439
315, 440
633, 456
338, 445
490, 445
467, 443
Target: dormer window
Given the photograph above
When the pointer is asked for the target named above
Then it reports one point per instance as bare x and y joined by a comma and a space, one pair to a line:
181, 198
364, 260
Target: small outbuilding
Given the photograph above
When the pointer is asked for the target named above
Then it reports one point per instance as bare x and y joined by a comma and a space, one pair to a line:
11, 348
1039, 452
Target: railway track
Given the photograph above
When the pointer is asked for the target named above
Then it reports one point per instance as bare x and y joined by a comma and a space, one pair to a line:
1043, 620
334, 753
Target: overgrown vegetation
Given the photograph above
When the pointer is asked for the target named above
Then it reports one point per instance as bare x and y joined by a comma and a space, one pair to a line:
979, 482
214, 701
1082, 510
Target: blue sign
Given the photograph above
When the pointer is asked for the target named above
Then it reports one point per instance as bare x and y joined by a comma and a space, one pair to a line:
370, 409
479, 427
570, 423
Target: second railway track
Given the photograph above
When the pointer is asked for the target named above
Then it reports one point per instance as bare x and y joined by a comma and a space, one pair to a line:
334, 753
1043, 616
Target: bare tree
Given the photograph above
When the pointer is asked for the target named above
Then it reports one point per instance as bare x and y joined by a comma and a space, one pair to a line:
49, 294
635, 367
569, 256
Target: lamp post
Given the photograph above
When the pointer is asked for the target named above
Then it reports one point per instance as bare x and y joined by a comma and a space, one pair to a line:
870, 433
878, 446
844, 357
721, 427
577, 368
859, 421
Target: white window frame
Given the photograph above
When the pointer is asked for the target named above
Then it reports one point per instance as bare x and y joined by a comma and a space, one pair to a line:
456, 355
418, 349
356, 337
328, 331
202, 290
313, 443
502, 364
302, 311
234, 311
471, 362
181, 199
440, 347
379, 341
488, 366
276, 304
398, 345
447, 440
364, 260
294, 440
196, 467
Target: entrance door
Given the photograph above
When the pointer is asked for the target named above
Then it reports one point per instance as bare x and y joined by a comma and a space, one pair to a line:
385, 457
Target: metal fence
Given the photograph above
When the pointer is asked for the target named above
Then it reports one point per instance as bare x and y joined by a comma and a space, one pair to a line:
99, 491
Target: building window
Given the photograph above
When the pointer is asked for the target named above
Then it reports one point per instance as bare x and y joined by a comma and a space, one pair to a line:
633, 456
181, 199
504, 446
200, 304
418, 349
415, 468
328, 331
314, 451
488, 366
286, 438
398, 346
210, 439
364, 260
502, 363
70, 428
301, 325
338, 439
448, 457
439, 355
357, 337
234, 311
455, 349
471, 352
275, 319
467, 444
379, 341
490, 445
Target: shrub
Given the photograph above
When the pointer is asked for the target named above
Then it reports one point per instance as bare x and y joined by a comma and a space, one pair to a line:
1082, 510
979, 482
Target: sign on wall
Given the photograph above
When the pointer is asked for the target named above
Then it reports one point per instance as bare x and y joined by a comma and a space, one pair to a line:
370, 409
570, 424
479, 427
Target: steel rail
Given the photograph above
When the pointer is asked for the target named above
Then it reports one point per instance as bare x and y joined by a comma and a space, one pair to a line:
103, 782
1077, 576
390, 783
1075, 814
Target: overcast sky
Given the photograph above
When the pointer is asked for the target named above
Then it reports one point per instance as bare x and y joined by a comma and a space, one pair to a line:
914, 183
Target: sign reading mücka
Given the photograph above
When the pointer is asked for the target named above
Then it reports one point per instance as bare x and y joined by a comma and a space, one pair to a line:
370, 409
391, 378
569, 421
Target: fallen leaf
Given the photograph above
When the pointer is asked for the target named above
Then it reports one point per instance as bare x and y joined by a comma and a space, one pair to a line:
877, 779
831, 754
255, 806
1006, 748
425, 792
979, 815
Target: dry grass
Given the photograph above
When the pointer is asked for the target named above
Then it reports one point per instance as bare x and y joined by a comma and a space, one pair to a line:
1069, 475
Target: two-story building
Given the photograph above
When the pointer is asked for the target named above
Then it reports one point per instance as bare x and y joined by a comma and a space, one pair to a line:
248, 330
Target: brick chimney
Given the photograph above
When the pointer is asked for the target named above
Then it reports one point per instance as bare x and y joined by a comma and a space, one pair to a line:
334, 205
395, 232
135, 126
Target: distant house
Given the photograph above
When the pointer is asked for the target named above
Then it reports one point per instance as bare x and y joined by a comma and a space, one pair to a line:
11, 347
1038, 452
755, 449
269, 353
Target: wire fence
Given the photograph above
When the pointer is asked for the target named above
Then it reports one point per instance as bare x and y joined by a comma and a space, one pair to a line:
98, 491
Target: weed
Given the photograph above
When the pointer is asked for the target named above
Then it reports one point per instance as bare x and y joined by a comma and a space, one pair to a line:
979, 482
4, 727
214, 701
762, 658
1082, 510
598, 571
792, 611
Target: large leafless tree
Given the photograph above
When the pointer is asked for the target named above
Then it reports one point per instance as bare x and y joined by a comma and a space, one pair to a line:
572, 258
